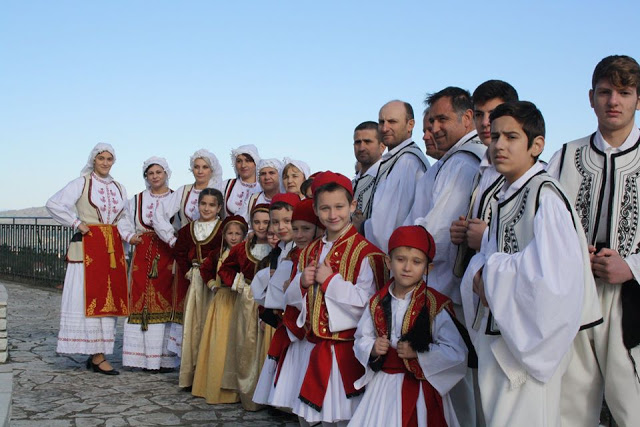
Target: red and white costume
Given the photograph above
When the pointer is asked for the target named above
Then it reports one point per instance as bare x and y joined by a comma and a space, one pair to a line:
330, 312
92, 200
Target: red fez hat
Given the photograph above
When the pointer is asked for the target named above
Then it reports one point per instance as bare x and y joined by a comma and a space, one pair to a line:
261, 207
237, 219
304, 212
328, 177
289, 198
413, 236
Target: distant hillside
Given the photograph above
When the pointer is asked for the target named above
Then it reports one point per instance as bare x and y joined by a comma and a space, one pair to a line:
39, 211
29, 213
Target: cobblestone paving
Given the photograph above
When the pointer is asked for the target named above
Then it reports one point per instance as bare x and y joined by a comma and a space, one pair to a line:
57, 390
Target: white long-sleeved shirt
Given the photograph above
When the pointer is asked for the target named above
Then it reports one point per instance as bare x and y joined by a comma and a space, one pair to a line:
170, 206
534, 295
345, 300
263, 281
393, 197
104, 195
238, 200
443, 196
128, 225
444, 365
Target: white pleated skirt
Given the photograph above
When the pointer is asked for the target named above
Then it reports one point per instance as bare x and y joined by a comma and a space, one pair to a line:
335, 406
286, 391
147, 349
265, 382
80, 334
381, 404
175, 340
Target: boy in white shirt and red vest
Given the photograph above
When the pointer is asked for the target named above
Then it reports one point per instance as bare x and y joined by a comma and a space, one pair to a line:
408, 342
338, 274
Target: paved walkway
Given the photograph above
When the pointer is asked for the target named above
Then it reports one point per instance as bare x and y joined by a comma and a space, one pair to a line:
57, 390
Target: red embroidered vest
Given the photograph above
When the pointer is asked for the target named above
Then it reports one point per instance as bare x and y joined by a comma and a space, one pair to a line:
345, 258
422, 296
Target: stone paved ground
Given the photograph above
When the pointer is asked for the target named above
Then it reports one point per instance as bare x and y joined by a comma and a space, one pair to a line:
56, 390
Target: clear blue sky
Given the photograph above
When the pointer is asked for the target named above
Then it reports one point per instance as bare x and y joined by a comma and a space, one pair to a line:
294, 78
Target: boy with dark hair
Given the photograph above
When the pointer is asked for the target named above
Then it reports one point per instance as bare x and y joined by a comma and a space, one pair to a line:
486, 98
600, 174
407, 340
532, 276
338, 274
466, 232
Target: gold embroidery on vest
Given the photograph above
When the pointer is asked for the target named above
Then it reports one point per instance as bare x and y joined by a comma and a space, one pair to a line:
354, 261
372, 308
345, 260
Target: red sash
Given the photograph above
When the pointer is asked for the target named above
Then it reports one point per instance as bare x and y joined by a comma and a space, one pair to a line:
411, 391
316, 380
151, 282
105, 272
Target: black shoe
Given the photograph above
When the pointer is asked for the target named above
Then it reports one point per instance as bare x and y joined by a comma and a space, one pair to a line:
96, 367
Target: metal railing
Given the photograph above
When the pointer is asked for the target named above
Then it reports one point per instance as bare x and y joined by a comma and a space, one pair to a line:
33, 249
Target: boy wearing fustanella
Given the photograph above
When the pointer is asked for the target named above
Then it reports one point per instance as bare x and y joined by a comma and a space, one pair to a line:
532, 279
601, 173
292, 350
280, 213
408, 343
338, 274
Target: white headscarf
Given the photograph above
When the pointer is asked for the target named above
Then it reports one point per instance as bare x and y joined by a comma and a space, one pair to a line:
304, 168
99, 148
248, 149
272, 163
160, 161
214, 164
